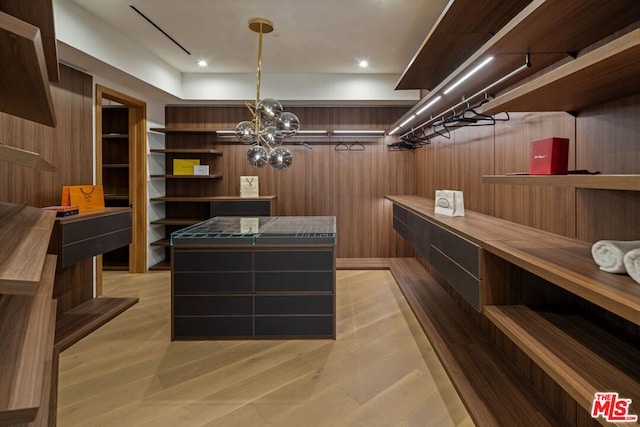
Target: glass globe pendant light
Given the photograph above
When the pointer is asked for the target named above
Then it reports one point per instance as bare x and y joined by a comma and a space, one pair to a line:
270, 124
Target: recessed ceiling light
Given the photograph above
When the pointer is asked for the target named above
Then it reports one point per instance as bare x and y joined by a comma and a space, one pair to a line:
363, 63
202, 63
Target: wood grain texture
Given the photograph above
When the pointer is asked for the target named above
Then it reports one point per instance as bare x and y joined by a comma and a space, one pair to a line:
26, 232
563, 261
608, 136
600, 75
575, 367
380, 367
24, 83
38, 13
463, 27
480, 374
349, 185
24, 158
629, 182
27, 325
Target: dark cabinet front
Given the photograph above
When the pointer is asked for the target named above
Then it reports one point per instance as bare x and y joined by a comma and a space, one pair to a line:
253, 292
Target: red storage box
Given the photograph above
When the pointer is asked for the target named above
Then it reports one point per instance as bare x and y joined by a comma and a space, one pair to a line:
549, 156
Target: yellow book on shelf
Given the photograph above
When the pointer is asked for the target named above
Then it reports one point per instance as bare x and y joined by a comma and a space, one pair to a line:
184, 166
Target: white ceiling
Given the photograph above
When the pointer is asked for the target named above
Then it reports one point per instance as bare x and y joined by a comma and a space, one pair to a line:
310, 36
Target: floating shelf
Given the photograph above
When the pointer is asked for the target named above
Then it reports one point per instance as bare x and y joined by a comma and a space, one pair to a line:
115, 135
187, 151
214, 176
606, 73
25, 158
185, 130
161, 242
177, 221
563, 356
25, 82
26, 232
539, 30
206, 198
27, 325
600, 182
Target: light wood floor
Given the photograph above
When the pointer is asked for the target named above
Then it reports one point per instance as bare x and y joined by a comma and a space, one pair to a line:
380, 371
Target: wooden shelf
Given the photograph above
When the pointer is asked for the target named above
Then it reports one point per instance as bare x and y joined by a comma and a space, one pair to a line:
26, 232
565, 262
185, 130
161, 242
115, 166
569, 357
603, 74
628, 182
187, 151
168, 176
25, 158
539, 30
161, 266
206, 198
25, 81
86, 317
123, 136
27, 325
474, 366
177, 221
457, 33
116, 197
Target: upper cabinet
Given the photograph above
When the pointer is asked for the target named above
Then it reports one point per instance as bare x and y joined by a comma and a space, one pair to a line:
28, 49
545, 34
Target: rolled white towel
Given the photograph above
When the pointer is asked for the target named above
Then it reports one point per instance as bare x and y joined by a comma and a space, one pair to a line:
632, 264
609, 254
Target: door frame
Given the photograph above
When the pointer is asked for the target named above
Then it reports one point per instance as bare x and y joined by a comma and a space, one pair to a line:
137, 174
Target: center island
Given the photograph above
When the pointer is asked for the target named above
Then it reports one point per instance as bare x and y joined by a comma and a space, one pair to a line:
254, 278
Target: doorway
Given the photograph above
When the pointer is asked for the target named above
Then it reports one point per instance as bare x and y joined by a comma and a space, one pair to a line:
121, 167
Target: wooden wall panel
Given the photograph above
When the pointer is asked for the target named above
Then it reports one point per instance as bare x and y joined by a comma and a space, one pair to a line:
547, 208
609, 141
69, 147
350, 185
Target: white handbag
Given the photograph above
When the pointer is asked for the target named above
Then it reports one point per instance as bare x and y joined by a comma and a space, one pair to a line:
449, 202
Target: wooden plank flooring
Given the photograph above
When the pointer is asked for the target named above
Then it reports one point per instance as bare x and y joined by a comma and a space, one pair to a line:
380, 371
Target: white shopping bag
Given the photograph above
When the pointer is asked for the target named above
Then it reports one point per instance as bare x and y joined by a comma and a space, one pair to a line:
449, 202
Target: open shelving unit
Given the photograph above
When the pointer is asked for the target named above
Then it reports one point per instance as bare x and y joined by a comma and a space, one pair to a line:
547, 324
27, 313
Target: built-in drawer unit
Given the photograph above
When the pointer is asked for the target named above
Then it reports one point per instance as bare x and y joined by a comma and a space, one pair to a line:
284, 292
415, 229
88, 234
455, 258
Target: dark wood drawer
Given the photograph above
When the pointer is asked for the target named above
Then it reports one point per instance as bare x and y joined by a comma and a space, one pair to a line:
210, 327
320, 281
212, 261
89, 234
240, 208
466, 284
420, 234
294, 260
401, 228
212, 282
400, 213
194, 305
462, 251
294, 304
303, 326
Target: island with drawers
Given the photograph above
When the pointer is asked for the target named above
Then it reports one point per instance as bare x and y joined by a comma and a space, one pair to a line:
254, 278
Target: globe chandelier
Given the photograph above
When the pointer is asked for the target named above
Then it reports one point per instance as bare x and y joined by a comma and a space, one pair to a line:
270, 124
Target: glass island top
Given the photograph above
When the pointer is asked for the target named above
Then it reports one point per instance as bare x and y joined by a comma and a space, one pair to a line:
285, 230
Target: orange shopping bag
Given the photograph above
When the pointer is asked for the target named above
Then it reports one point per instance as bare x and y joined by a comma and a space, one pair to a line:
86, 197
